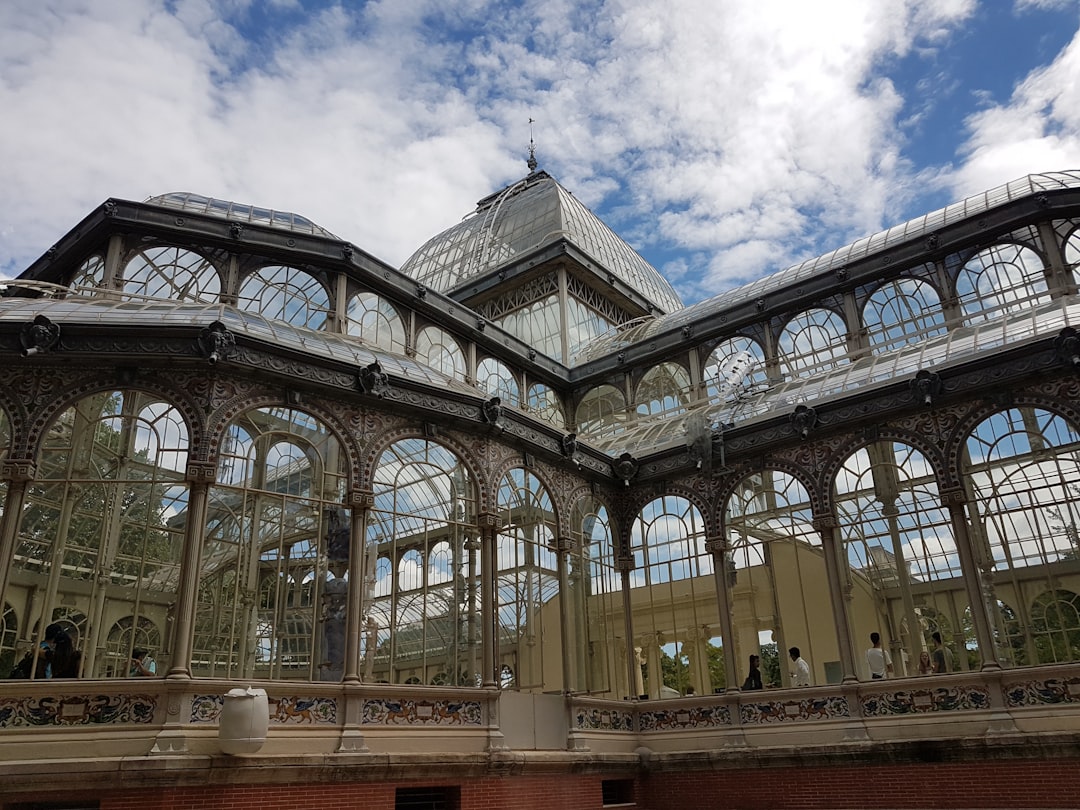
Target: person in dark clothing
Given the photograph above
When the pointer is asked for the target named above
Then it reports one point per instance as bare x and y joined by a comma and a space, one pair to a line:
753, 680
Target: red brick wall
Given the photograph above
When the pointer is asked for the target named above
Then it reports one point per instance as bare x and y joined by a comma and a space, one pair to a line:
1013, 784
986, 784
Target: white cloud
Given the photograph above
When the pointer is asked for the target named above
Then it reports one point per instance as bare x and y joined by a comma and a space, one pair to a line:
1038, 130
738, 136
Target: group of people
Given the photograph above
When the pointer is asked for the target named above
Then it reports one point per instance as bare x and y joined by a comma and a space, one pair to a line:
878, 661
57, 657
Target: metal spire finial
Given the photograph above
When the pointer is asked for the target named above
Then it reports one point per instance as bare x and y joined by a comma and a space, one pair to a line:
531, 163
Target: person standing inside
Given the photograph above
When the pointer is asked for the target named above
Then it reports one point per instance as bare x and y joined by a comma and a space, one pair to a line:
800, 675
142, 664
878, 659
753, 680
942, 655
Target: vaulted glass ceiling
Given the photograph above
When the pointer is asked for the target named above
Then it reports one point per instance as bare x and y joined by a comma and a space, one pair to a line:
522, 218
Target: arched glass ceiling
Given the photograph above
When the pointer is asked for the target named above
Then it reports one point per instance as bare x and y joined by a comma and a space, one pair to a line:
237, 212
642, 435
524, 217
827, 263
164, 313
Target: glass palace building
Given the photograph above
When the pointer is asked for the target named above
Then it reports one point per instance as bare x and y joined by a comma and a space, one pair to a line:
503, 526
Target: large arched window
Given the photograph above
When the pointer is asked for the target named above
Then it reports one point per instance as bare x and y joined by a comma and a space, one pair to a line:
375, 321
276, 528
1055, 625
425, 620
734, 368
172, 273
903, 312
901, 555
90, 276
438, 349
103, 528
527, 584
286, 294
601, 412
1001, 280
543, 403
1072, 253
778, 579
812, 342
495, 379
594, 605
664, 389
673, 600
1023, 468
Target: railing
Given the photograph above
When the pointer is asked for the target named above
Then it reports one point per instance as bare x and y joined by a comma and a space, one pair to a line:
49, 721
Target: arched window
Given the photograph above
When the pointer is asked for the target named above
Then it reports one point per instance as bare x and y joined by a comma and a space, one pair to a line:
438, 349
90, 276
172, 273
733, 368
899, 548
275, 526
1055, 623
543, 403
664, 389
105, 520
128, 634
424, 516
374, 320
286, 294
10, 653
601, 412
1001, 280
527, 582
1072, 253
812, 342
594, 603
903, 312
495, 379
778, 577
676, 616
1023, 467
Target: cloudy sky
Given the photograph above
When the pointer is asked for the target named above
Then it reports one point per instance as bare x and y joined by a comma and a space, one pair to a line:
724, 140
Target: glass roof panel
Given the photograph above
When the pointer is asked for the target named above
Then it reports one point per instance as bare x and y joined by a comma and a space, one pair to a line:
644, 435
828, 262
524, 217
238, 212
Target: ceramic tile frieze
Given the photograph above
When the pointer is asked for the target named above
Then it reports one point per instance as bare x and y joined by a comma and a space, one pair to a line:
206, 708
76, 710
787, 711
696, 717
593, 719
380, 711
915, 701
1043, 692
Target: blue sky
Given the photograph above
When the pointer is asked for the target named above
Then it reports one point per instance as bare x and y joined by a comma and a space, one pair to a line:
723, 140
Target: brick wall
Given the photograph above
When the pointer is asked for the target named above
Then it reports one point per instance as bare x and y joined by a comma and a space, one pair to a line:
988, 784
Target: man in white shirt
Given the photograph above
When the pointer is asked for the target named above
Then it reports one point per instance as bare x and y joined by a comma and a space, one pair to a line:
800, 675
878, 659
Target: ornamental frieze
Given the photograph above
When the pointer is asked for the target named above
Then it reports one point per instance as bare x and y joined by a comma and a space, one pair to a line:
1043, 692
683, 719
788, 711
76, 710
915, 701
386, 712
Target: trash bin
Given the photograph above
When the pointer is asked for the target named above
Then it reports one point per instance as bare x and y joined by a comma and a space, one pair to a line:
245, 719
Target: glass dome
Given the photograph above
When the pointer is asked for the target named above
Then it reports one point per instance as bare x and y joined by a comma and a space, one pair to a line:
524, 217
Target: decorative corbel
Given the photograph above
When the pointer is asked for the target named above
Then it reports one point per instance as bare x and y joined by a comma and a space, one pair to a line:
491, 410
625, 467
1067, 346
926, 387
372, 380
39, 337
803, 419
216, 342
